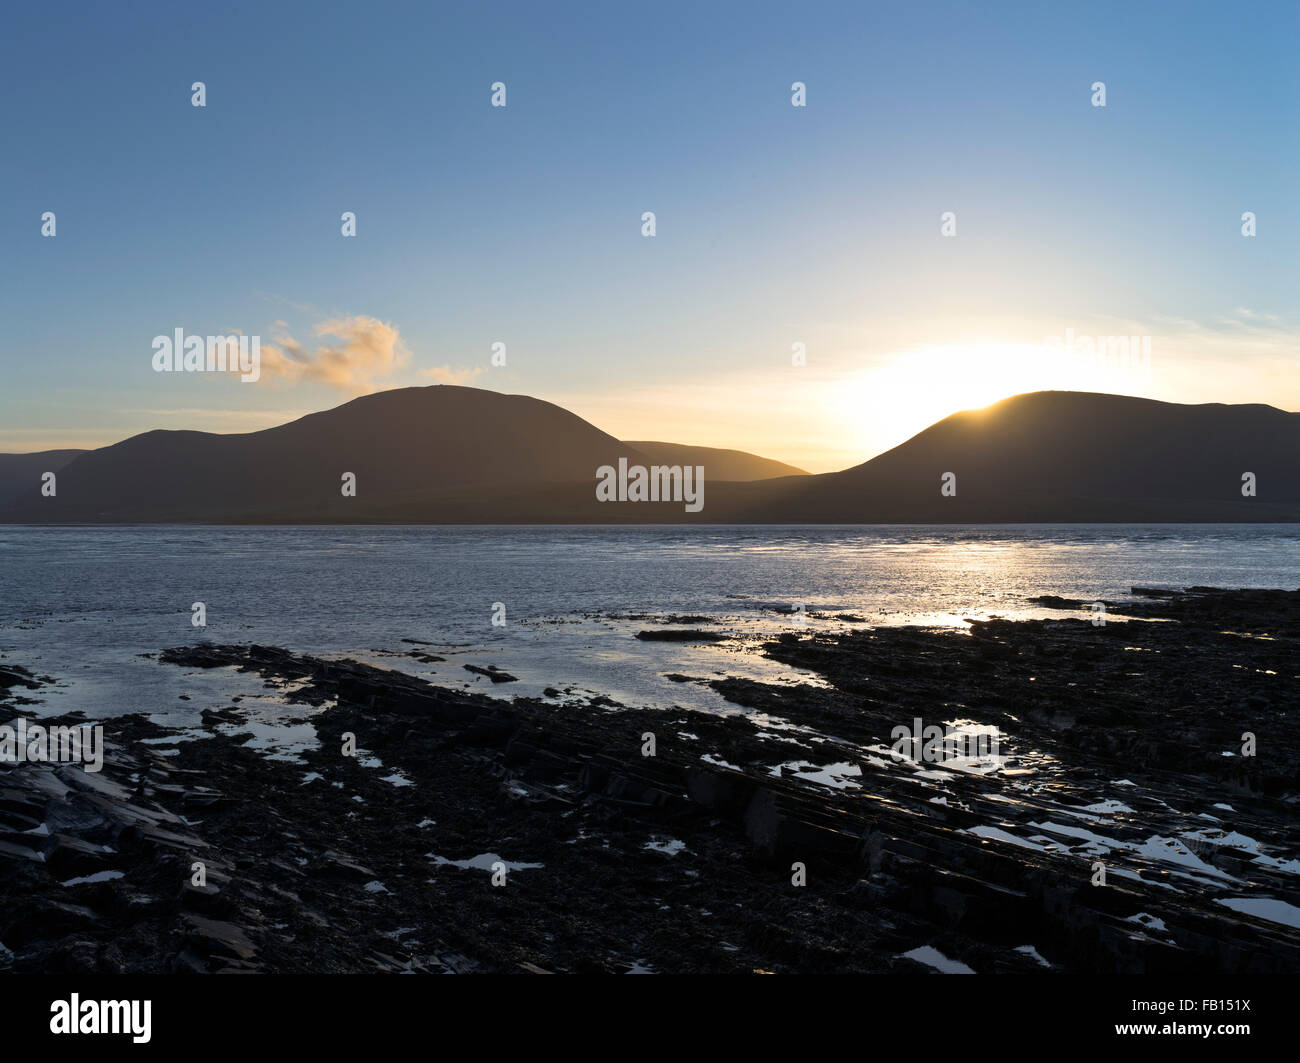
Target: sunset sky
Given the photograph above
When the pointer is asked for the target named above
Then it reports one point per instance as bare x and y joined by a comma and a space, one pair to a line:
776, 225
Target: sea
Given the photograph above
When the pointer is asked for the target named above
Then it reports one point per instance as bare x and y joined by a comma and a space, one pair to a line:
558, 608
88, 609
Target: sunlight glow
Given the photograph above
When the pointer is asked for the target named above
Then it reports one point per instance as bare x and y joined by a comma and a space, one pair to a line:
916, 388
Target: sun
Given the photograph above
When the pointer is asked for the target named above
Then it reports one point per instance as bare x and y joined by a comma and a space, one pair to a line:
913, 389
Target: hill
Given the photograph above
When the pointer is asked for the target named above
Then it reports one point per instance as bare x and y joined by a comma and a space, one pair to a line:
446, 454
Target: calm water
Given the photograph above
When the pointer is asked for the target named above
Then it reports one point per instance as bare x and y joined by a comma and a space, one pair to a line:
82, 604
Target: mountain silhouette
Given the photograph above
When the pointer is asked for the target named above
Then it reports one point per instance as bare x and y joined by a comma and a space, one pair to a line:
406, 448
445, 454
1075, 457
23, 472
720, 464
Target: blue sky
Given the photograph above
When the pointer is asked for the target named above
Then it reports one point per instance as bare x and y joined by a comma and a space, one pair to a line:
775, 224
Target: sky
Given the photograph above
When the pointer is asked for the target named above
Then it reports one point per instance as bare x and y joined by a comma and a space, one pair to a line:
777, 228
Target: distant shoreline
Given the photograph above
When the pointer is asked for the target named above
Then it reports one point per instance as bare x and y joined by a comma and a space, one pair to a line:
1280, 521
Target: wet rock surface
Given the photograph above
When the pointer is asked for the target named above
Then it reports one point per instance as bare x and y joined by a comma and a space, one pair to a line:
1112, 748
680, 635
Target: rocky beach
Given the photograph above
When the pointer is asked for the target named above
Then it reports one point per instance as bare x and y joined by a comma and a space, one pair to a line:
419, 828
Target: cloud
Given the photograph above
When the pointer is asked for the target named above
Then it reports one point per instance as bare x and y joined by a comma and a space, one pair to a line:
369, 350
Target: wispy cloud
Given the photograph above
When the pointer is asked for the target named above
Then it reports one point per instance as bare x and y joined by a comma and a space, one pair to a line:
370, 350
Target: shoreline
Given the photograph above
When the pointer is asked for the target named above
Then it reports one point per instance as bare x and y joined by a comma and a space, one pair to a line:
682, 862
694, 526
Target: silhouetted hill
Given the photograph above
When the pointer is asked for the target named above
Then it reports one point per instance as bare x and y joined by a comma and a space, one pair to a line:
432, 453
394, 442
461, 455
720, 464
19, 472
1070, 456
